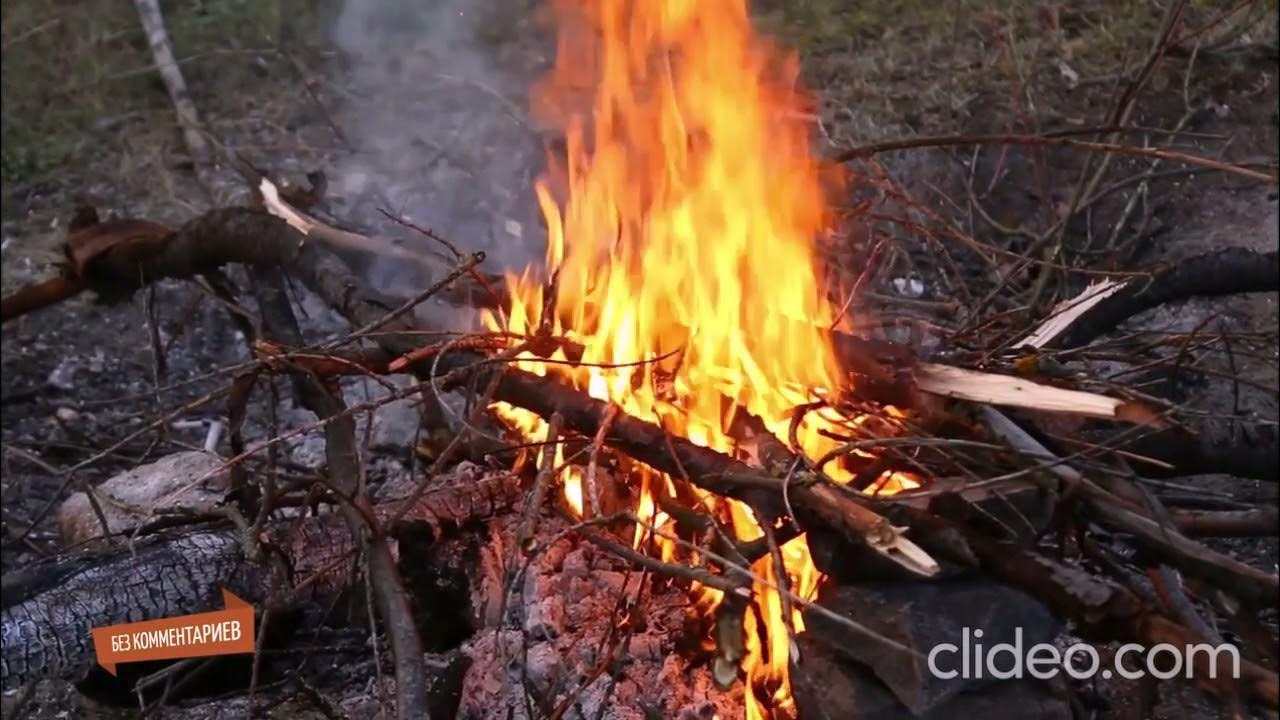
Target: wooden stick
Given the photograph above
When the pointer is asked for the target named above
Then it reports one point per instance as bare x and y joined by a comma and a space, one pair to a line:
167, 66
1226, 572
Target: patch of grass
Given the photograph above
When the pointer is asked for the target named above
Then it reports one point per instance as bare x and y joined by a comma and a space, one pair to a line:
923, 64
74, 73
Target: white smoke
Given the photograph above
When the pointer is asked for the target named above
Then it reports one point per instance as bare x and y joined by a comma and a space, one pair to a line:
437, 123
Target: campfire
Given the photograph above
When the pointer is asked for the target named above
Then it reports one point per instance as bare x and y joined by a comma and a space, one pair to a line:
681, 224
672, 454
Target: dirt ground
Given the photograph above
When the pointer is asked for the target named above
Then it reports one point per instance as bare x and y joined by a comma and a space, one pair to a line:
429, 117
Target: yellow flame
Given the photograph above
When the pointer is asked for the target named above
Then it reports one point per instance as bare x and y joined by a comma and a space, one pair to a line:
680, 222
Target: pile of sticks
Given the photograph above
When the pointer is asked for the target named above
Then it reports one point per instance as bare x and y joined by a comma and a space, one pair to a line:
959, 423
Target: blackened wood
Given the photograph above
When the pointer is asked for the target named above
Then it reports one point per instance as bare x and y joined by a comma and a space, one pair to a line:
1225, 272
50, 634
50, 607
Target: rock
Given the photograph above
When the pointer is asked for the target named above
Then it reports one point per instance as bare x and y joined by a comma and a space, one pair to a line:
140, 488
63, 377
827, 686
921, 616
308, 451
395, 424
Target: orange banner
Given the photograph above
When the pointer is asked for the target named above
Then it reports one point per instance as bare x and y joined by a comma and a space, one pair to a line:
222, 632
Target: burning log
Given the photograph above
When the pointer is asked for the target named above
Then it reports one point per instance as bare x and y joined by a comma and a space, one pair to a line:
236, 235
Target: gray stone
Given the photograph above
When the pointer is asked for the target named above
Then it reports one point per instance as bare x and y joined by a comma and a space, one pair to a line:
920, 616
126, 498
829, 687
395, 424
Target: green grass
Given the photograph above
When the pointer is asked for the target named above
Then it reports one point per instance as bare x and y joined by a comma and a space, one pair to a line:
922, 63
76, 77
74, 73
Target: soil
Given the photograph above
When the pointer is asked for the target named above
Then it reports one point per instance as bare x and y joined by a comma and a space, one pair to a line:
436, 128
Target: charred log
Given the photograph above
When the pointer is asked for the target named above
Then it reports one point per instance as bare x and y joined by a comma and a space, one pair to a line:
49, 634
51, 607
1225, 272
1245, 451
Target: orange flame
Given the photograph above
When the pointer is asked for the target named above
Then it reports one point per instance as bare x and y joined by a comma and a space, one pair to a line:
680, 223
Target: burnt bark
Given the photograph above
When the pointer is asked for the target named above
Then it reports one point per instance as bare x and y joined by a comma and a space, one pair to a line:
49, 634
1246, 450
51, 607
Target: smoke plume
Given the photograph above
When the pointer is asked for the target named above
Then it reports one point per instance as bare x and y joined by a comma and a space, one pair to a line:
437, 125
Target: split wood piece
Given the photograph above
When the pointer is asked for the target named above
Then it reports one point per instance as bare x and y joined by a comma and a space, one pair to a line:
1068, 311
1009, 391
1103, 306
1230, 575
49, 607
891, 374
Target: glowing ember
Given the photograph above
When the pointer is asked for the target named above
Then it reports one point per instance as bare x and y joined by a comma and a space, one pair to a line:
680, 225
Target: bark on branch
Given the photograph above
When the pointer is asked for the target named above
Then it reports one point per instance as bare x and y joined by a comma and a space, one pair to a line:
1225, 272
252, 237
